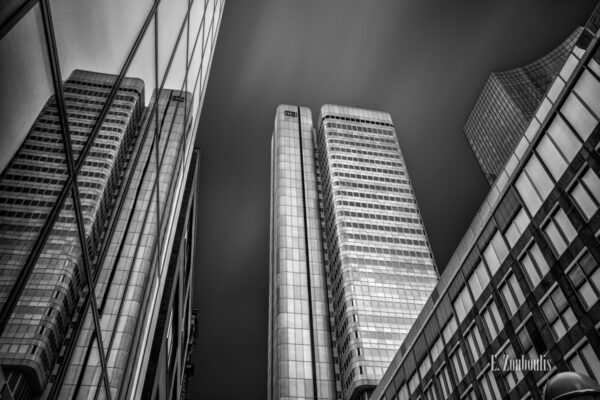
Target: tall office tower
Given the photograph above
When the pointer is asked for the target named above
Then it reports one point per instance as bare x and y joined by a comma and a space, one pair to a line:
98, 195
519, 300
350, 262
509, 100
506, 105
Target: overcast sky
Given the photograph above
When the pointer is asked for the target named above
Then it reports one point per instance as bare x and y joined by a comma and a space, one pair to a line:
424, 62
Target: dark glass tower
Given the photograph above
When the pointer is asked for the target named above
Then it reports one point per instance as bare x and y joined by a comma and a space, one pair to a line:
507, 104
510, 98
351, 265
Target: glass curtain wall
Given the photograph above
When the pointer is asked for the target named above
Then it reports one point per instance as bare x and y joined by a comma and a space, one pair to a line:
99, 99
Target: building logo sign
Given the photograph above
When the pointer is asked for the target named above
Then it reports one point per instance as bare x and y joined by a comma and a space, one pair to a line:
290, 113
507, 363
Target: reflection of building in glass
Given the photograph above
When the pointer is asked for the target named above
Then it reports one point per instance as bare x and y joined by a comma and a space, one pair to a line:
525, 280
506, 105
351, 265
97, 220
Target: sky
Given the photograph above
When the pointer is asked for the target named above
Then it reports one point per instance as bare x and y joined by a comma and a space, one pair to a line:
424, 62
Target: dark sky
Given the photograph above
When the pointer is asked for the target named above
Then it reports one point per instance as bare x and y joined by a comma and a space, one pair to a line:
422, 61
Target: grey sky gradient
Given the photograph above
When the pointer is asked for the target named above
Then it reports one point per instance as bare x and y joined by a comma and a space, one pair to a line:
424, 62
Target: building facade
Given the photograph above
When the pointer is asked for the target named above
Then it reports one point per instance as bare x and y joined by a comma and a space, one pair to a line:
507, 104
351, 265
98, 196
518, 301
509, 100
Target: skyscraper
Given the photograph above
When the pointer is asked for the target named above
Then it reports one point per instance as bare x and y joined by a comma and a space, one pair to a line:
508, 101
351, 265
506, 105
98, 196
519, 301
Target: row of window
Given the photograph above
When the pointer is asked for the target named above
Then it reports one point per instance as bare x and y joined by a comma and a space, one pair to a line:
381, 217
379, 206
369, 169
385, 251
370, 178
384, 239
364, 121
367, 186
361, 137
365, 160
360, 144
354, 150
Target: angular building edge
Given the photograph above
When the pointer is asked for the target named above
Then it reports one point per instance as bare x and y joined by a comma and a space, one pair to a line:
517, 193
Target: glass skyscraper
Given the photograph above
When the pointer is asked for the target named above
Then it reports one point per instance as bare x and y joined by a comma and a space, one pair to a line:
508, 101
351, 265
98, 183
519, 301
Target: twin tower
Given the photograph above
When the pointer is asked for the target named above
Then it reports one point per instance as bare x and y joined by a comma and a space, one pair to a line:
350, 262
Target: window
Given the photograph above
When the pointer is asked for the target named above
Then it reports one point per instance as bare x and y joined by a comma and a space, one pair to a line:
585, 361
588, 88
449, 329
475, 343
584, 274
559, 315
437, 348
413, 382
551, 157
517, 227
495, 252
425, 365
488, 385
533, 184
565, 140
534, 265
462, 304
403, 393
559, 231
578, 116
458, 363
511, 375
526, 343
586, 193
513, 296
469, 395
444, 380
478, 280
430, 392
493, 322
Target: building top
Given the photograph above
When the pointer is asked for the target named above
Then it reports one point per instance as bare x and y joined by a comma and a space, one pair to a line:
287, 111
507, 104
507, 178
353, 112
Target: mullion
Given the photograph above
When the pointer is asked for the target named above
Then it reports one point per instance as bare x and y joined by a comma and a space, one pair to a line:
157, 129
64, 121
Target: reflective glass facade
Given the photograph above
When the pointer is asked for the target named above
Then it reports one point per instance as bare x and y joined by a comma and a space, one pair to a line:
506, 105
351, 265
522, 284
97, 194
300, 350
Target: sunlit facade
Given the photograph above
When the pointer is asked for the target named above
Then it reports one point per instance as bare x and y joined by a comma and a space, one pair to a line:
98, 183
524, 283
351, 265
